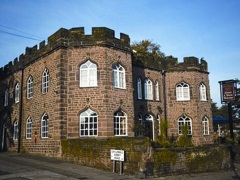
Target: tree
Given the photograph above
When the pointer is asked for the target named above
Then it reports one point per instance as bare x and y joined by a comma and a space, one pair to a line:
146, 48
214, 108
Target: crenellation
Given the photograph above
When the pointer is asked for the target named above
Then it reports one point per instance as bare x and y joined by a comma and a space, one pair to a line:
73, 37
170, 63
125, 38
102, 32
191, 61
42, 45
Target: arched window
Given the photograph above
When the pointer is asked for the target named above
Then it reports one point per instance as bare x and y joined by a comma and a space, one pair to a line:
203, 93
88, 123
29, 128
16, 93
30, 87
120, 124
88, 74
139, 87
45, 81
148, 90
15, 130
159, 124
182, 92
156, 91
44, 126
184, 121
149, 126
6, 98
119, 80
205, 125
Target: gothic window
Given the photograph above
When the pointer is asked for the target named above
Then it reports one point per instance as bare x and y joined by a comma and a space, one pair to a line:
156, 91
88, 123
159, 124
184, 121
15, 130
119, 80
182, 92
120, 124
16, 93
30, 87
88, 74
45, 81
148, 90
6, 98
29, 128
44, 126
205, 125
203, 93
139, 87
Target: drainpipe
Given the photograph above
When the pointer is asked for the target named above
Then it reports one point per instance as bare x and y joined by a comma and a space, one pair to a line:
20, 111
164, 96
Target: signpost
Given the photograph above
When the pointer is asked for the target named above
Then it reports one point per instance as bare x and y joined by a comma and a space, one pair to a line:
228, 94
117, 155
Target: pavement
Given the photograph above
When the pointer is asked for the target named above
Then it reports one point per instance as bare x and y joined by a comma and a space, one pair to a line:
15, 166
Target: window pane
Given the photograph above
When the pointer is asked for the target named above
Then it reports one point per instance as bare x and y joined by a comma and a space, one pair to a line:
88, 123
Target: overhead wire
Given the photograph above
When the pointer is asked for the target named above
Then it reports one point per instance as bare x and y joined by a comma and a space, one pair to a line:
22, 36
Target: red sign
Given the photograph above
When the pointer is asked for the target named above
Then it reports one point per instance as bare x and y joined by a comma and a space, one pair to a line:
228, 92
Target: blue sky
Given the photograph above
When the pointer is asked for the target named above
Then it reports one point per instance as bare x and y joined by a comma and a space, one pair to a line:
200, 28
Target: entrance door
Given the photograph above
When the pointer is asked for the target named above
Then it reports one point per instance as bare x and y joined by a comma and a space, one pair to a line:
3, 134
149, 127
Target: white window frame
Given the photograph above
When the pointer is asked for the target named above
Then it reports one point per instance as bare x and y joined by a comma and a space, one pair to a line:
203, 92
120, 124
44, 126
30, 87
184, 120
205, 125
139, 88
156, 91
149, 117
159, 124
16, 93
88, 123
88, 74
15, 130
6, 98
45, 81
29, 128
182, 92
119, 79
148, 89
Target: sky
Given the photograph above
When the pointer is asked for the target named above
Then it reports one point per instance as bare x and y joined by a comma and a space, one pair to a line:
208, 29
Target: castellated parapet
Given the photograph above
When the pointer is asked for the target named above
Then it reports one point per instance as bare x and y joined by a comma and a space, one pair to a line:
64, 38
170, 63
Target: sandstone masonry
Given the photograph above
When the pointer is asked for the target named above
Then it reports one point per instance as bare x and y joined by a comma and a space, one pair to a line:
93, 91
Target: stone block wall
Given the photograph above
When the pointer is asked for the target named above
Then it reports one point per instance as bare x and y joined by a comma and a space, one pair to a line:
142, 160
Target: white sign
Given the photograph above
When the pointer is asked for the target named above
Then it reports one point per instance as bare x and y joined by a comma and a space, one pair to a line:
117, 155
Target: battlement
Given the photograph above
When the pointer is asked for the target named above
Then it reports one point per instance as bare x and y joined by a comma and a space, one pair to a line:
63, 38
171, 63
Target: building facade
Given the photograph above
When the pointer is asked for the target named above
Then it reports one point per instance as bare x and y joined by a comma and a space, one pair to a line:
81, 86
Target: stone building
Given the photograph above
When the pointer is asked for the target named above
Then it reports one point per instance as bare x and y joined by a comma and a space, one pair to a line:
79, 86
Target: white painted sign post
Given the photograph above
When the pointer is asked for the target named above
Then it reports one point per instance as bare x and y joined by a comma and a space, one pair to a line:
117, 155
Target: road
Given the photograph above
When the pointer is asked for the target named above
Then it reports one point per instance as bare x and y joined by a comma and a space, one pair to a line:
15, 166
